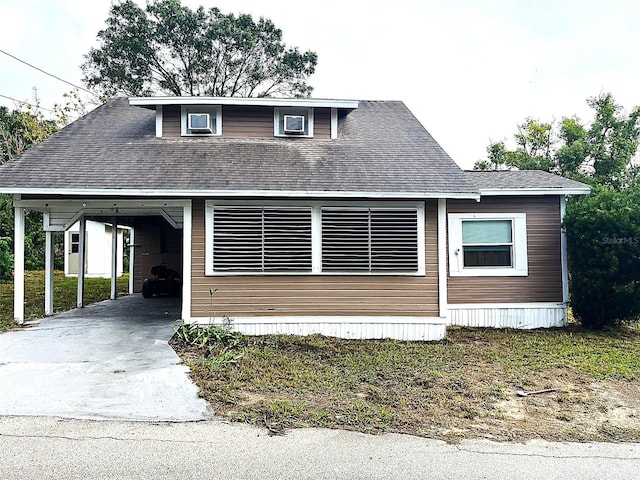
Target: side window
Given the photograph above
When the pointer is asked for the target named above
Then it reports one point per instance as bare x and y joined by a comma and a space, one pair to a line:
293, 122
201, 120
75, 242
485, 244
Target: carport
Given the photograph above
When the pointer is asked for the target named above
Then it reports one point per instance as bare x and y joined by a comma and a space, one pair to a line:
161, 233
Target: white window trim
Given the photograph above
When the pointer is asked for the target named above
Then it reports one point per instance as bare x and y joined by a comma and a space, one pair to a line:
185, 109
316, 235
278, 113
519, 228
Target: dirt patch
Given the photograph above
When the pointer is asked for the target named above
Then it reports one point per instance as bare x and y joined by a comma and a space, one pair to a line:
462, 388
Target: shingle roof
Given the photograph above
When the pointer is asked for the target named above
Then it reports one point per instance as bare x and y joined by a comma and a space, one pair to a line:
523, 180
381, 148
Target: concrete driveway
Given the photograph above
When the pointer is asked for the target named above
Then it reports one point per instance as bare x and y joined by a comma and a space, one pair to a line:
110, 360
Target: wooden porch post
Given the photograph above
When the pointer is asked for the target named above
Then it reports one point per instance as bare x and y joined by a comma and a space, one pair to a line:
48, 273
442, 258
18, 269
114, 258
131, 254
81, 260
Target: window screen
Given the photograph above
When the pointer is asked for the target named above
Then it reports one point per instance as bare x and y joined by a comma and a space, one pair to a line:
262, 239
369, 240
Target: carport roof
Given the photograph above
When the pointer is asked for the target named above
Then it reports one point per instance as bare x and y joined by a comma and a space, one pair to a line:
382, 151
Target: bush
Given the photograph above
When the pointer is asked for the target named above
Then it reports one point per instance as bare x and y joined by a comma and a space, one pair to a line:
603, 243
6, 261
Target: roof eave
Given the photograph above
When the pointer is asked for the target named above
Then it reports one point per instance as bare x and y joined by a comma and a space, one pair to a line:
253, 101
534, 191
236, 193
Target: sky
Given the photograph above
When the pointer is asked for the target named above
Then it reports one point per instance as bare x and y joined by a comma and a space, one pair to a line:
469, 70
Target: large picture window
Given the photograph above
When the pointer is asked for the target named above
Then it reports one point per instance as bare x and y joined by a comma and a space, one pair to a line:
487, 244
369, 240
331, 238
261, 239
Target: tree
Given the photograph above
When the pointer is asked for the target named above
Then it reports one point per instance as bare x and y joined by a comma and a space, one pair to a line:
534, 144
599, 154
170, 49
603, 241
612, 139
20, 129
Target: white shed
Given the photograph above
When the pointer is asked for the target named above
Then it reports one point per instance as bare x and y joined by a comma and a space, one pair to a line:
98, 245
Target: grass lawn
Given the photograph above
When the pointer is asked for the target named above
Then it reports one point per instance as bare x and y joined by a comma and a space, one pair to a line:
464, 387
64, 294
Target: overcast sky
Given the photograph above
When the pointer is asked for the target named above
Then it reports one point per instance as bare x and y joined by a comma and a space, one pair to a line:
470, 70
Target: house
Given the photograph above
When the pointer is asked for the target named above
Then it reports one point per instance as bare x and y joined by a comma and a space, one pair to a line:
98, 242
339, 217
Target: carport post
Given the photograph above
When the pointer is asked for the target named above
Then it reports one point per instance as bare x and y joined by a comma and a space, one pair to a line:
114, 258
81, 254
131, 252
18, 269
48, 273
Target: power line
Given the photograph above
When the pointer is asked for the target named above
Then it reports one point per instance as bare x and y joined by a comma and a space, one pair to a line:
47, 73
26, 103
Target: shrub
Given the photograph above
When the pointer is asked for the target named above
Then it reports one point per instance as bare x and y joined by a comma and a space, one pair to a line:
6, 261
223, 345
603, 243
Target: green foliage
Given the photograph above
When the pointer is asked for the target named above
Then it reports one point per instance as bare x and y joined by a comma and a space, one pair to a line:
534, 145
167, 48
6, 260
600, 154
222, 345
34, 239
21, 129
64, 294
603, 241
427, 388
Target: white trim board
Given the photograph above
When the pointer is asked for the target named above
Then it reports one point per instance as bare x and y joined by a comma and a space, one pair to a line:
491, 192
252, 101
138, 193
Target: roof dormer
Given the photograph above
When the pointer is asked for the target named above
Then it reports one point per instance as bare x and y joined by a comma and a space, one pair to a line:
302, 118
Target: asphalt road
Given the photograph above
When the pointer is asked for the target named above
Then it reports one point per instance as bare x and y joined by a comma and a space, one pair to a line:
48, 448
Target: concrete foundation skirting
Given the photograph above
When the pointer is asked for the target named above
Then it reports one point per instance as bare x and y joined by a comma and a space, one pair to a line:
397, 328
516, 315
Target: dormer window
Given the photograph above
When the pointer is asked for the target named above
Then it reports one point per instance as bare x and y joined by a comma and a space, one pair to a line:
201, 120
293, 122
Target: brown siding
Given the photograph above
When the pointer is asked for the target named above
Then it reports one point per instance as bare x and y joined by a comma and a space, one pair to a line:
315, 295
544, 281
155, 245
246, 122
322, 123
171, 121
